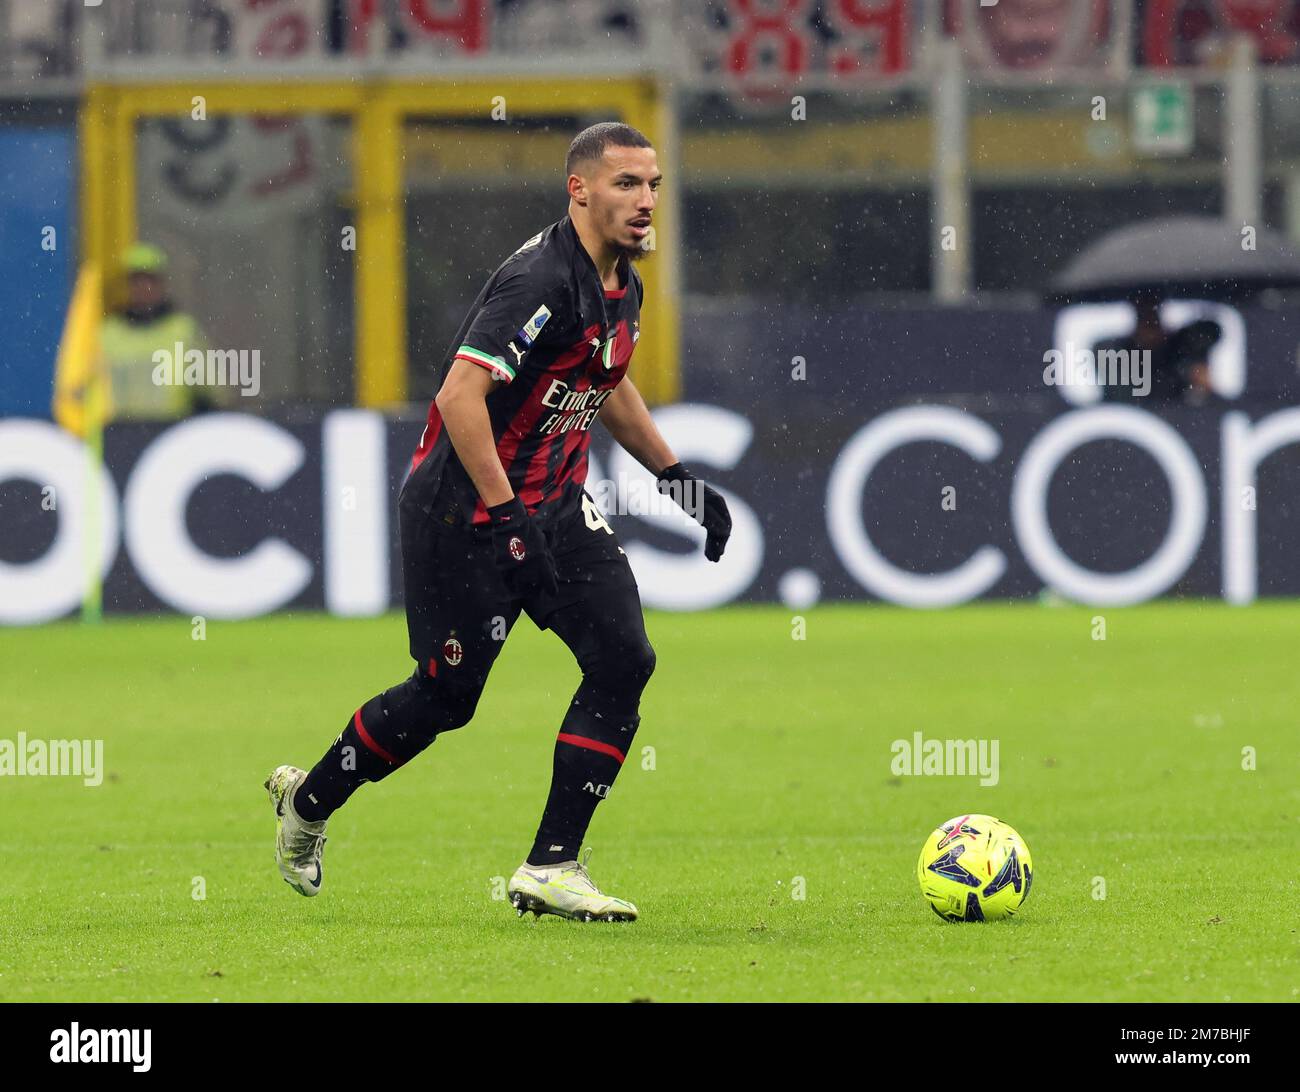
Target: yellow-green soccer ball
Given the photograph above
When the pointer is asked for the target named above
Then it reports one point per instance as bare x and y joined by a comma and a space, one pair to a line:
975, 868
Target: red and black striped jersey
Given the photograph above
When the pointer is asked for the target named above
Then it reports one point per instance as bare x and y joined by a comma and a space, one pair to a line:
557, 342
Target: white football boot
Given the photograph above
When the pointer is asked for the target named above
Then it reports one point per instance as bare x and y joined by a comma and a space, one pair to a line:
298, 844
567, 890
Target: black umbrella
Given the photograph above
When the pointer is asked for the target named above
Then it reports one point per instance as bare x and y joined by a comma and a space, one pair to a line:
1180, 256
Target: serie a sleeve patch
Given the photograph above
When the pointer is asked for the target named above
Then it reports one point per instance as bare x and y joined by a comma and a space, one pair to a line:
534, 325
508, 324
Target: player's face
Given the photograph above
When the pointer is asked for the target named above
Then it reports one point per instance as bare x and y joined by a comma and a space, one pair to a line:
622, 199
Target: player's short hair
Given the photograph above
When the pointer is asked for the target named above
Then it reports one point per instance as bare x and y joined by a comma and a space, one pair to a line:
590, 144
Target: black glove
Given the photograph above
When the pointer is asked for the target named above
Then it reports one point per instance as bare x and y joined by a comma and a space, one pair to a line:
522, 556
702, 503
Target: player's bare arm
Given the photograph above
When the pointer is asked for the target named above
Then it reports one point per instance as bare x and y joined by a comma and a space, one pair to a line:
627, 419
461, 401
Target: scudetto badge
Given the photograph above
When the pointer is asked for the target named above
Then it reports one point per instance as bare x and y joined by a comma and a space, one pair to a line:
452, 651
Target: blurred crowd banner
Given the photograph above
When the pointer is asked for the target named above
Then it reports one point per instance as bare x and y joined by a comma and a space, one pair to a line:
880, 480
751, 47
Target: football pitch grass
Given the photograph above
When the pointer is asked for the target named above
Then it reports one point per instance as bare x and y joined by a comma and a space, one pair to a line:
766, 841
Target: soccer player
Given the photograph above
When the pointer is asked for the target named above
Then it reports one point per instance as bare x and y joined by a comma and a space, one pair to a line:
494, 520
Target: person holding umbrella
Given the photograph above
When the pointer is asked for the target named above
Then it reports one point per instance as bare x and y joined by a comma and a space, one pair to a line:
1176, 257
1178, 365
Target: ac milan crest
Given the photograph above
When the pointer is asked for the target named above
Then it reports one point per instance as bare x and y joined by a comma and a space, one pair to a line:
452, 651
517, 548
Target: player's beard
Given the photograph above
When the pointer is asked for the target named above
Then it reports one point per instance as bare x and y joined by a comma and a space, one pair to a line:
633, 251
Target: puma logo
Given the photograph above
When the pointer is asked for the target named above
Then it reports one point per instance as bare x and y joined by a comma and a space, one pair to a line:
519, 357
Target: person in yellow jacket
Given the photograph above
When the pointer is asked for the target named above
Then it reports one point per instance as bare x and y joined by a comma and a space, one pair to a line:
150, 322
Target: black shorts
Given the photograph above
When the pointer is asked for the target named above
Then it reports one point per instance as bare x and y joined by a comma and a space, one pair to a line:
458, 611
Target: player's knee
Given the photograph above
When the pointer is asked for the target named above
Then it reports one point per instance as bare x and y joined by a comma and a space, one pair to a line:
423, 707
455, 705
642, 662
622, 669
449, 703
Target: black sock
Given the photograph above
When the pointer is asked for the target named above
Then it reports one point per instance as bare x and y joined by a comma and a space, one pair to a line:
350, 762
383, 735
588, 754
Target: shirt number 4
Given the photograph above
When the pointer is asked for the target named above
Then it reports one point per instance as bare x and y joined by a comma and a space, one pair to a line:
595, 519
